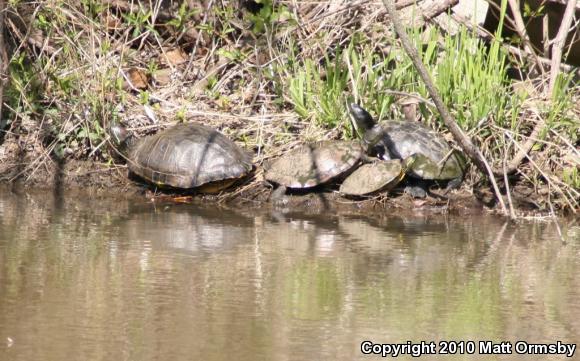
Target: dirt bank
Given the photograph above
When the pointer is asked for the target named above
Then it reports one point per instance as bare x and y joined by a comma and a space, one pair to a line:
99, 180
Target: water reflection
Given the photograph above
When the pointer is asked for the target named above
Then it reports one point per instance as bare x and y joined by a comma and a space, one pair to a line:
87, 278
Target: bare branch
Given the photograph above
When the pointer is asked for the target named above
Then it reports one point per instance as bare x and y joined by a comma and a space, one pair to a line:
559, 42
522, 32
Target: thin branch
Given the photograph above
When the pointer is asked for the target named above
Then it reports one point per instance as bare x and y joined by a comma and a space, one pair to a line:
559, 42
425, 11
522, 32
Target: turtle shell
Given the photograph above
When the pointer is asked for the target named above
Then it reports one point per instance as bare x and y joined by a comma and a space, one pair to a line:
435, 159
189, 156
373, 177
313, 164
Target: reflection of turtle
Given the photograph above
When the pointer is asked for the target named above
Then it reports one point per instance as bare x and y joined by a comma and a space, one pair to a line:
434, 159
374, 177
185, 156
313, 164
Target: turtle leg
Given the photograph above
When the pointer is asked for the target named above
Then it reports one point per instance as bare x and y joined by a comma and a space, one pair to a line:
417, 189
278, 197
453, 184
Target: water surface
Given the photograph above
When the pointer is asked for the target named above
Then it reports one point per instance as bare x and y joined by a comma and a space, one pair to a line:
107, 279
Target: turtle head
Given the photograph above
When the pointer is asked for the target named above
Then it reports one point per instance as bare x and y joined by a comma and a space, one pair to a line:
121, 137
362, 118
372, 133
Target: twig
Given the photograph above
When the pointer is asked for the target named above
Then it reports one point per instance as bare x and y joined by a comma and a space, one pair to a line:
426, 11
513, 165
521, 30
559, 42
507, 185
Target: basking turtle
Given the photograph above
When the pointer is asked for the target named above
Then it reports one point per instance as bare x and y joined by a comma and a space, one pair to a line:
434, 159
373, 177
312, 164
185, 156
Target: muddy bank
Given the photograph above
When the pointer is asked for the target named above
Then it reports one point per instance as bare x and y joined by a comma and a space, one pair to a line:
103, 180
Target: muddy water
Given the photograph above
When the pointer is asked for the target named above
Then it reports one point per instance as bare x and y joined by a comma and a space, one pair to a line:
90, 279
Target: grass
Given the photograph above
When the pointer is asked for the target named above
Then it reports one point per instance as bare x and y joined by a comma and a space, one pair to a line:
468, 74
287, 72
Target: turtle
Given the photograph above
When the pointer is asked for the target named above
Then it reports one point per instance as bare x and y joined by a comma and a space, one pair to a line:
376, 176
434, 159
187, 155
313, 164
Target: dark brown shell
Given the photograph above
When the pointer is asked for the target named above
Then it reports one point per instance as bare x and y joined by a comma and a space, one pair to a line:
313, 164
188, 156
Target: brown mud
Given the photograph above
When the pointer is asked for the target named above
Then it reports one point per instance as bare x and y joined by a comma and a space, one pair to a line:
104, 180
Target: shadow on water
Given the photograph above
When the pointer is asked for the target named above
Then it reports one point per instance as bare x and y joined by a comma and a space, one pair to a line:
136, 280
58, 187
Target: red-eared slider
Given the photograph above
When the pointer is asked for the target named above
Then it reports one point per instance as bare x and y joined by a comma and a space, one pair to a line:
373, 177
312, 164
434, 158
185, 156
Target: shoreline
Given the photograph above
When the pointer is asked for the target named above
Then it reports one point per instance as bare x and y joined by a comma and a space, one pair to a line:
99, 180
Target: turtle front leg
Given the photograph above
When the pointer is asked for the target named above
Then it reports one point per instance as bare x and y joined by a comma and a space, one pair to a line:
453, 184
417, 190
278, 196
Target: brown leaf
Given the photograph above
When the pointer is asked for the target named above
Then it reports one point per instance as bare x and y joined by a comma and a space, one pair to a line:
138, 79
112, 23
174, 57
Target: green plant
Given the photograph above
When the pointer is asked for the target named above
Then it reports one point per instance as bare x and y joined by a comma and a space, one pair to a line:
140, 21
184, 14
267, 15
571, 176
